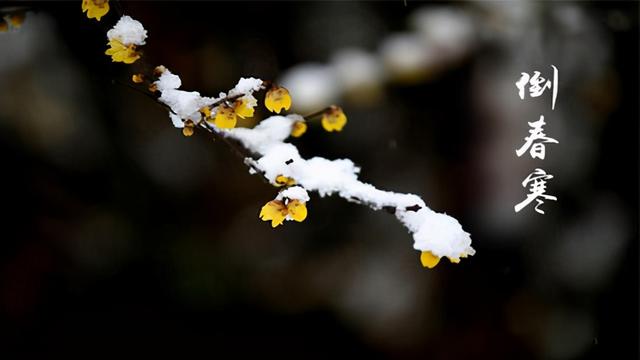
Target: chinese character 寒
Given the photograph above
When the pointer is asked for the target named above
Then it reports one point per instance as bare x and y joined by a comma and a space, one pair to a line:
537, 191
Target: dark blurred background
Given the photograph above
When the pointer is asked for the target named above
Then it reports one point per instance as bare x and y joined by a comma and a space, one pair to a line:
119, 234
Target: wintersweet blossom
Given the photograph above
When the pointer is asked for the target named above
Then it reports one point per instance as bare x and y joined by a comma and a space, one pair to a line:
290, 204
334, 119
95, 9
277, 98
298, 128
277, 211
227, 115
122, 53
124, 38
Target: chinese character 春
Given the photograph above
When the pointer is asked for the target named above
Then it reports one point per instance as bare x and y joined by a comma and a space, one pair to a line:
537, 191
538, 84
536, 140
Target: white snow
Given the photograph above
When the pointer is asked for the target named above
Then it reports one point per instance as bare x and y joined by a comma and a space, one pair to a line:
251, 100
294, 193
187, 104
176, 121
168, 81
128, 31
432, 231
184, 104
246, 86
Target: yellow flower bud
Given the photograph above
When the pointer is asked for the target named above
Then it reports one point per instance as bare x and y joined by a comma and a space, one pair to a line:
95, 9
429, 260
137, 78
277, 98
298, 128
334, 119
282, 180
187, 131
189, 128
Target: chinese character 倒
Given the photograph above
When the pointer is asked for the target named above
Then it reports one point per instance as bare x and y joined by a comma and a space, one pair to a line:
538, 85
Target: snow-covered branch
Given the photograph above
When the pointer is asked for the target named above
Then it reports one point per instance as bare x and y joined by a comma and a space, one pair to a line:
266, 151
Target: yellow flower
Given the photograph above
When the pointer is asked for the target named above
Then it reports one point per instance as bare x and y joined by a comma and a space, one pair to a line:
244, 107
334, 119
121, 53
282, 180
298, 128
95, 9
277, 98
428, 259
225, 117
277, 211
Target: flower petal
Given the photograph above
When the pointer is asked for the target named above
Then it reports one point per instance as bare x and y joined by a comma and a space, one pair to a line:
274, 210
297, 210
225, 117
